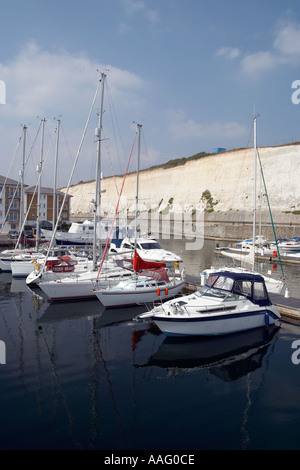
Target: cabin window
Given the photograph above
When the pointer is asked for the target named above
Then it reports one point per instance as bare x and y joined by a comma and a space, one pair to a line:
259, 291
246, 288
224, 283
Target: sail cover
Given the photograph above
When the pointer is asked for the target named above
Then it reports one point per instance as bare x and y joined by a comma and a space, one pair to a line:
139, 263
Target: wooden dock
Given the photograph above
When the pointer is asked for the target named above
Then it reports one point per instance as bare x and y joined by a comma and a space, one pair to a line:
288, 307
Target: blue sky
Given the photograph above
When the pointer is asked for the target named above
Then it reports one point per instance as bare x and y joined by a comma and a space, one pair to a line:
192, 72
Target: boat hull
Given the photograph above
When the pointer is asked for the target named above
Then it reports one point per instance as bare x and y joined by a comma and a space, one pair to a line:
79, 286
122, 298
215, 325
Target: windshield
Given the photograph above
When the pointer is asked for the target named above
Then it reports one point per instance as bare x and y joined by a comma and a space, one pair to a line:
150, 246
211, 292
220, 282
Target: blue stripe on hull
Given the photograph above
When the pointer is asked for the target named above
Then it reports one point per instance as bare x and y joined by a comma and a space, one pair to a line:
216, 318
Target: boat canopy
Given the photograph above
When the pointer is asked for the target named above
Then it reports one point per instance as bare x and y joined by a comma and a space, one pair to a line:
249, 285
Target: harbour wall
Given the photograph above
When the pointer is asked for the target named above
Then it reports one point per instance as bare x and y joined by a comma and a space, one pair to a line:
220, 187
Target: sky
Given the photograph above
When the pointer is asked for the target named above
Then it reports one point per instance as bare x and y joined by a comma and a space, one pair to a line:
193, 73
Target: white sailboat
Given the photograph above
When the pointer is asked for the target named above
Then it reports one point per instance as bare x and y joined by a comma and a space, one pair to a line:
150, 282
80, 285
246, 254
20, 255
143, 286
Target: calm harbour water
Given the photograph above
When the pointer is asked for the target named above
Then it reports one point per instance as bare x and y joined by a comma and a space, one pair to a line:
81, 377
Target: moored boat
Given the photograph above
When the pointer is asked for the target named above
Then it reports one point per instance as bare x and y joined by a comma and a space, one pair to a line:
150, 282
228, 303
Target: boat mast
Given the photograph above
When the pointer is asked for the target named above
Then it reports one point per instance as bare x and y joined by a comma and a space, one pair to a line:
254, 192
55, 175
22, 202
139, 126
39, 170
97, 207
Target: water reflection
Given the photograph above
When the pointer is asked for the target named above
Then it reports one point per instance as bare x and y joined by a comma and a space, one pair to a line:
227, 357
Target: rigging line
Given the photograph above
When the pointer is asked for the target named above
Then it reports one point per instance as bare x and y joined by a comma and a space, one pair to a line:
13, 157
72, 172
273, 226
29, 207
113, 221
68, 152
234, 198
112, 171
113, 121
116, 132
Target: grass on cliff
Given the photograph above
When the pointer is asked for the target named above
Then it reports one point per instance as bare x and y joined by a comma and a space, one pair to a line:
180, 161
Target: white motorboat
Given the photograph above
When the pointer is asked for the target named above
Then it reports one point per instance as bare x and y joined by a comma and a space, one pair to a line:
82, 233
274, 285
286, 245
149, 283
148, 248
229, 302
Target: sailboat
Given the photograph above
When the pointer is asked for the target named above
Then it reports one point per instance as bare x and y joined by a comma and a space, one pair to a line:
246, 254
149, 281
20, 254
80, 285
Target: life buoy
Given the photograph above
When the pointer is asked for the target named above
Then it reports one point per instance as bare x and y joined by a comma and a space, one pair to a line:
158, 291
166, 291
275, 254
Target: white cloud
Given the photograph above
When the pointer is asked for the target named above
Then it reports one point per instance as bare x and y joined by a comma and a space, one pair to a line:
137, 6
40, 82
254, 64
285, 50
287, 42
228, 52
184, 128
51, 84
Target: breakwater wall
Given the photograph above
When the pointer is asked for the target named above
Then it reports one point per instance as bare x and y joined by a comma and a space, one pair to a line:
220, 186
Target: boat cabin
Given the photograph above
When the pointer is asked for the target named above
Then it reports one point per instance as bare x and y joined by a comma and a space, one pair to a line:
251, 286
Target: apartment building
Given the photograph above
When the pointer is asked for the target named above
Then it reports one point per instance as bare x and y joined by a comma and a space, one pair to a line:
11, 202
46, 206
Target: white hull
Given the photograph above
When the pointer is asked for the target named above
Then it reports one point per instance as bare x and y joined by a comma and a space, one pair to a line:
18, 259
38, 275
67, 238
230, 302
5, 265
216, 325
80, 286
122, 298
22, 268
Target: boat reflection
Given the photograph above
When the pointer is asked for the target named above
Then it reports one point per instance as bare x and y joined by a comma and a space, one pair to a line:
229, 357
92, 310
